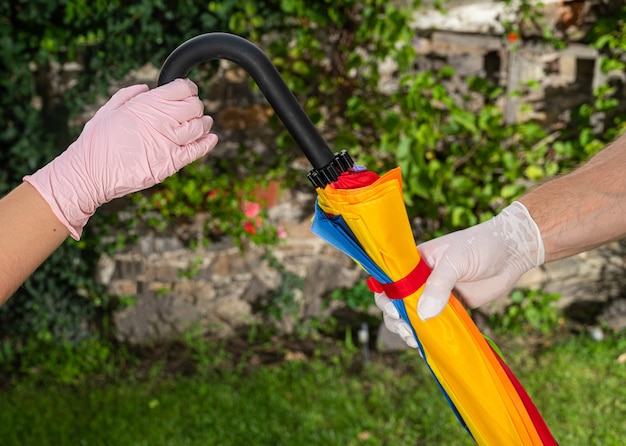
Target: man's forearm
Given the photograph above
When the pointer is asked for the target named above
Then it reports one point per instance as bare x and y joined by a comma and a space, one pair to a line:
585, 208
29, 233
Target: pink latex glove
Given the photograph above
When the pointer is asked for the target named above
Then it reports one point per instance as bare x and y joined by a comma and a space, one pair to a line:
136, 140
480, 263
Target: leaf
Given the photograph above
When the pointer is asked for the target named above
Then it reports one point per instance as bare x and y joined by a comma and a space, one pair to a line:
301, 67
461, 183
153, 403
461, 216
465, 120
417, 188
603, 41
510, 161
403, 150
509, 191
535, 173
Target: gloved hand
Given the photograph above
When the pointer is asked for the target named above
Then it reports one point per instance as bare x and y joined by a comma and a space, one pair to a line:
136, 140
480, 263
393, 321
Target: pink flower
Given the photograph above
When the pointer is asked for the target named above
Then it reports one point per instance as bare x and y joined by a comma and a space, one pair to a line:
281, 232
251, 209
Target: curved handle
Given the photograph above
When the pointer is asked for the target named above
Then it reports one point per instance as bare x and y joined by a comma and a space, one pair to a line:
212, 46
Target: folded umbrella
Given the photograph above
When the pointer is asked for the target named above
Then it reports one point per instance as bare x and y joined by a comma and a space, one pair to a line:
364, 216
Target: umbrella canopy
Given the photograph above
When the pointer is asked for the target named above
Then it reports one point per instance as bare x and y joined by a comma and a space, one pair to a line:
364, 216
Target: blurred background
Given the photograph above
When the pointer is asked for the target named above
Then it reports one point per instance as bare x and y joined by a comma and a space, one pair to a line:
202, 311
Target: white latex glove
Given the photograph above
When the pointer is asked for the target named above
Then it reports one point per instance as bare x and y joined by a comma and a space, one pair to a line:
480, 263
393, 321
136, 140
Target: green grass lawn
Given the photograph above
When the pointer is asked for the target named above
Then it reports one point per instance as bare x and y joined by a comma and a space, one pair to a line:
576, 383
580, 387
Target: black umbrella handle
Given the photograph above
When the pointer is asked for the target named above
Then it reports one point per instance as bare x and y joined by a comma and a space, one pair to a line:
211, 46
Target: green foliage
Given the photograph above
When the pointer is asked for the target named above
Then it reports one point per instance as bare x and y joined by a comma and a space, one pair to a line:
530, 22
595, 124
329, 55
283, 299
530, 311
107, 38
227, 207
462, 163
359, 297
58, 303
205, 354
609, 36
46, 361
458, 166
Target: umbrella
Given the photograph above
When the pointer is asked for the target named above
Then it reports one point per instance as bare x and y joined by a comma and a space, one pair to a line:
363, 215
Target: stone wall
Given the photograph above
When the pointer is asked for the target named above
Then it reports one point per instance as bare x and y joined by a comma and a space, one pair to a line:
470, 37
220, 289
591, 285
230, 287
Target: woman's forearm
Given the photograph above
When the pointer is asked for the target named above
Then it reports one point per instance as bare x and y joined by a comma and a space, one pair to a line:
30, 233
584, 209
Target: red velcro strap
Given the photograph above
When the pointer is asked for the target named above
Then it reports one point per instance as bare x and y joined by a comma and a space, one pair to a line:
403, 287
